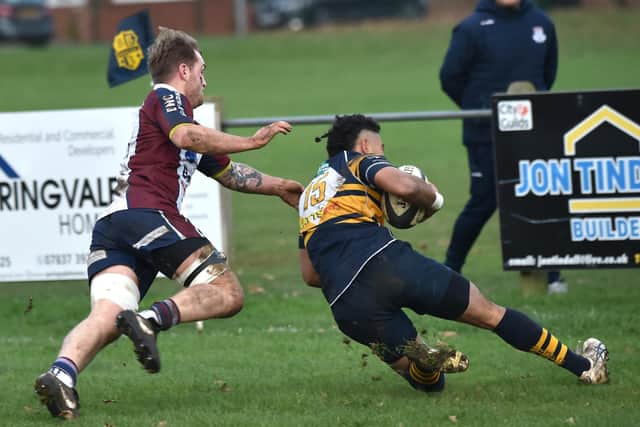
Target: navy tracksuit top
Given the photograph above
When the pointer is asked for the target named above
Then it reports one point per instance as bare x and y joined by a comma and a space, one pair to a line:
491, 48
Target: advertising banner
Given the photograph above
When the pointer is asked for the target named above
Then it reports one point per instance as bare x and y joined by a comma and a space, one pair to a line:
57, 173
568, 179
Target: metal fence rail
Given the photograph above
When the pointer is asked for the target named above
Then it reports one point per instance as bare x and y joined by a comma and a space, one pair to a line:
382, 117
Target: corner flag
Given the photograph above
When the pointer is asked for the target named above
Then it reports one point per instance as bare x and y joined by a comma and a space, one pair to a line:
128, 56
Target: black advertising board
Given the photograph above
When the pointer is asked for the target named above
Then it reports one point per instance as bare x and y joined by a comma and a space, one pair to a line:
568, 179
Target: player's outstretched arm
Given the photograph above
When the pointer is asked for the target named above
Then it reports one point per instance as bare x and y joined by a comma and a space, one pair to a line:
202, 139
244, 178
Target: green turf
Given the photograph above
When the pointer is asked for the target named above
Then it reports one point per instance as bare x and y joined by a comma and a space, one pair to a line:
281, 361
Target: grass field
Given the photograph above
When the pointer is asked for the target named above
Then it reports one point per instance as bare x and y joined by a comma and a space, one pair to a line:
281, 362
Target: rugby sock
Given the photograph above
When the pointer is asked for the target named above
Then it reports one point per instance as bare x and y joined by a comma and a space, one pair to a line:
65, 370
424, 381
164, 313
526, 335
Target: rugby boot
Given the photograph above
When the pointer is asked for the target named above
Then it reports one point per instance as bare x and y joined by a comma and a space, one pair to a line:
441, 358
455, 362
596, 352
61, 401
143, 335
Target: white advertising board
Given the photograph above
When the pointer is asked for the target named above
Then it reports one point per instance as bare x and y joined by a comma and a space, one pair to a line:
57, 169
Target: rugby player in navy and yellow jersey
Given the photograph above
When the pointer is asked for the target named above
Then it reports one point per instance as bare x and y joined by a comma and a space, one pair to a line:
368, 277
142, 232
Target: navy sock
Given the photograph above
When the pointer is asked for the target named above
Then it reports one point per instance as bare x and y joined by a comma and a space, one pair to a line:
518, 330
167, 313
526, 335
65, 370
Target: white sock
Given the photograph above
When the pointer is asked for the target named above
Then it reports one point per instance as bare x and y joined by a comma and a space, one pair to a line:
150, 315
62, 376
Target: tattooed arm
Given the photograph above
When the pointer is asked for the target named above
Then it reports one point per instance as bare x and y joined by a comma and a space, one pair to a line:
244, 178
202, 139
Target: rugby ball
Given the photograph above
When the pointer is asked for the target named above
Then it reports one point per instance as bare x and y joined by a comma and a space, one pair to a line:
399, 213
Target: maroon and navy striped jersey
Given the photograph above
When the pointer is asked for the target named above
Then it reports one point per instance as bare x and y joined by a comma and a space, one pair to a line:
155, 173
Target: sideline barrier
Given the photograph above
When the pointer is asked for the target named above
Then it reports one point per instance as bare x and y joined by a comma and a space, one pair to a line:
381, 117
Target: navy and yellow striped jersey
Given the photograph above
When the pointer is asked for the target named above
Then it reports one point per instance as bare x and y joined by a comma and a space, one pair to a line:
341, 221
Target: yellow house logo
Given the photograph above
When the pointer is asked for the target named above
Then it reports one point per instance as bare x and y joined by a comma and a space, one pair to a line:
128, 51
578, 132
600, 116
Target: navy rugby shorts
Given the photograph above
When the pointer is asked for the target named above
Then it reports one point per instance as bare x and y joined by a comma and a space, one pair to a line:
146, 240
370, 311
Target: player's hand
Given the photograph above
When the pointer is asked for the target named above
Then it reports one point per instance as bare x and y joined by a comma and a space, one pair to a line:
436, 206
290, 191
266, 133
433, 186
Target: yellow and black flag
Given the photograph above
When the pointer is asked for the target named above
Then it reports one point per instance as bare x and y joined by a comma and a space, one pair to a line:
128, 57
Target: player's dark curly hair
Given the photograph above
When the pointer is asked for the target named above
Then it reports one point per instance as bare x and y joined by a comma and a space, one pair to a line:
345, 130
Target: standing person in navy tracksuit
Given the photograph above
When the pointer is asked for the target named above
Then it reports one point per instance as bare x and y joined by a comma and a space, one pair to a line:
502, 41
